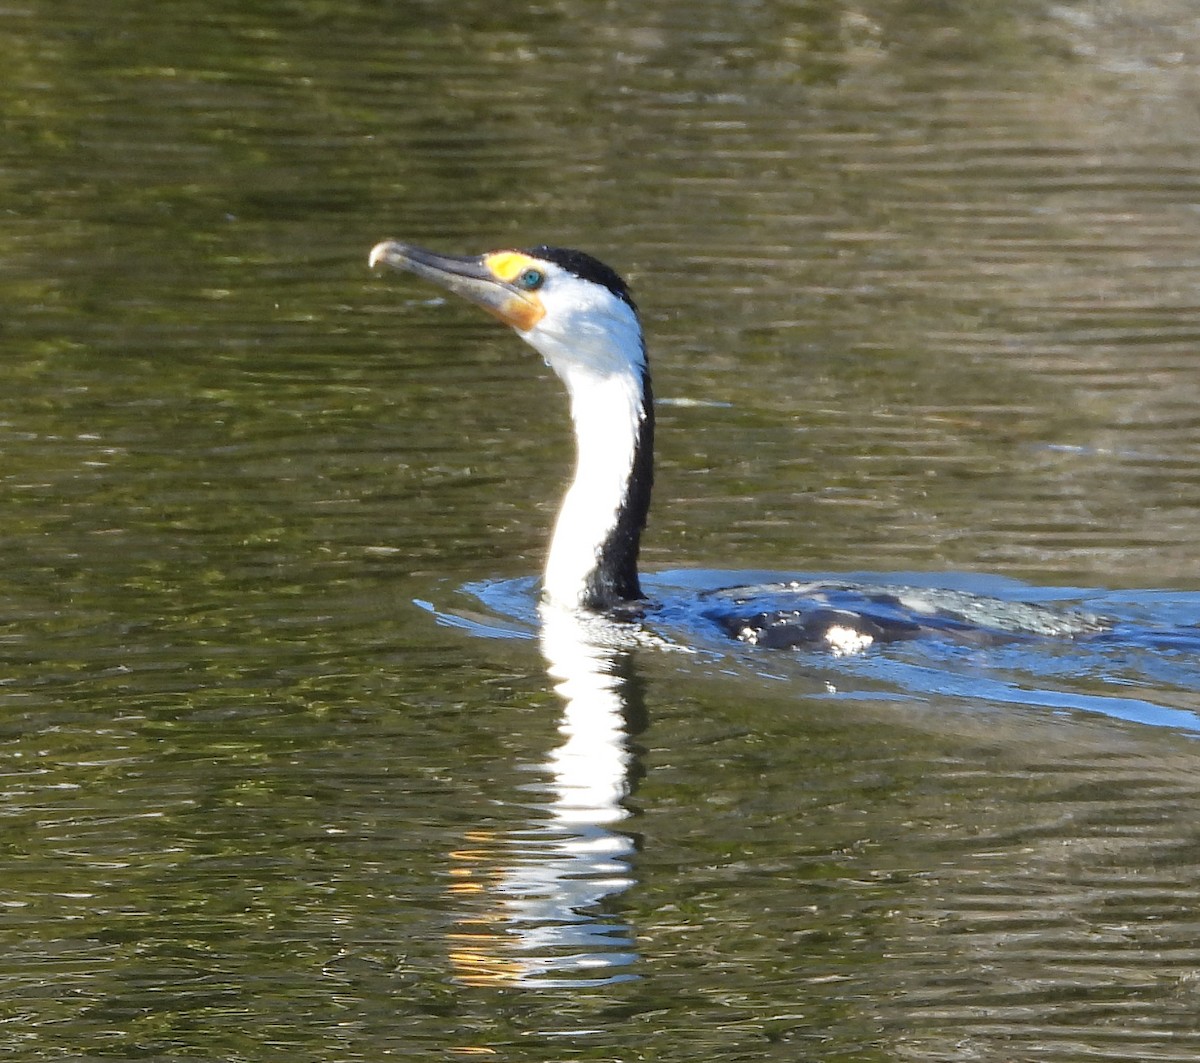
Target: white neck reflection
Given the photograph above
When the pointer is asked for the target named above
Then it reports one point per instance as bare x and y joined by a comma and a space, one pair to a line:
543, 921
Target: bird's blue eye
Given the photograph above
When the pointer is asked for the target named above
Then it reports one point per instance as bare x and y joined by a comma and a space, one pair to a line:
531, 279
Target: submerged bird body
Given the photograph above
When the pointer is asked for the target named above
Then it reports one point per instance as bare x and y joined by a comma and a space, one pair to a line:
579, 315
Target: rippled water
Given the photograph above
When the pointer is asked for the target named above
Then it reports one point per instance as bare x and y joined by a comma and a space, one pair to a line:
292, 764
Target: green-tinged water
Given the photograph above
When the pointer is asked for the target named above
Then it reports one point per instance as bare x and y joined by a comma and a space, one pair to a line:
919, 284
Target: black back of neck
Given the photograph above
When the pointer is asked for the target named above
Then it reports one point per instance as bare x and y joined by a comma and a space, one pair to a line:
614, 580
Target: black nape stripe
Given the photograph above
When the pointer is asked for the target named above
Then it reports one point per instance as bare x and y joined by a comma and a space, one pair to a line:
615, 578
587, 268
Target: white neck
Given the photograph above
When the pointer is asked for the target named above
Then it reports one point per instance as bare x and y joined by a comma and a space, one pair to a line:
607, 412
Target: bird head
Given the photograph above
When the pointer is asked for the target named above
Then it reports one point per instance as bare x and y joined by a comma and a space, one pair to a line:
576, 311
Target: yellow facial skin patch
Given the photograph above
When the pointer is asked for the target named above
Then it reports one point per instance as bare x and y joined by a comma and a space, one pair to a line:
507, 265
524, 309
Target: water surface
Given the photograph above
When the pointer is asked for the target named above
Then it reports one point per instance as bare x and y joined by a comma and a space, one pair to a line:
918, 285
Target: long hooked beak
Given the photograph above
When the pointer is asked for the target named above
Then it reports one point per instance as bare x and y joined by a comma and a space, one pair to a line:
466, 276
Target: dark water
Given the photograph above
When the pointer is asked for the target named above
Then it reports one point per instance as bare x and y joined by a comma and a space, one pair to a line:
919, 286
